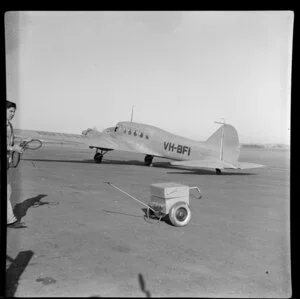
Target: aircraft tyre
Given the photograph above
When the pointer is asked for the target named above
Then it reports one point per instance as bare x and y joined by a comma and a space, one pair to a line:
148, 160
180, 214
98, 158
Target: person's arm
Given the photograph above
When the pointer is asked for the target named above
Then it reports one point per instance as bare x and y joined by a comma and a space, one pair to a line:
9, 137
10, 142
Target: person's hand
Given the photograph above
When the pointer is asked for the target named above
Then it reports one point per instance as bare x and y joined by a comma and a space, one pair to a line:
18, 148
24, 142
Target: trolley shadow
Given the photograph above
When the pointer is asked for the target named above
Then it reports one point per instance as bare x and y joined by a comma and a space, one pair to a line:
121, 213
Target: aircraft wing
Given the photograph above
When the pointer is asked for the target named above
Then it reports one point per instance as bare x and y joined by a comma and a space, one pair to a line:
100, 140
215, 164
48, 137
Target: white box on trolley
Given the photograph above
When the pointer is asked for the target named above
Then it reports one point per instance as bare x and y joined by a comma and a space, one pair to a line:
165, 195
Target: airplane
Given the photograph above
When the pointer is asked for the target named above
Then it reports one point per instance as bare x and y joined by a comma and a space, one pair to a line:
220, 151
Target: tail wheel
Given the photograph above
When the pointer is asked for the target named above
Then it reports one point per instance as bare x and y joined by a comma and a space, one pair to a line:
148, 160
180, 214
98, 157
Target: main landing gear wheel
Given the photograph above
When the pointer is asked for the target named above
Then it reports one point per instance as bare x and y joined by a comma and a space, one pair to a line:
180, 214
148, 160
98, 157
100, 152
218, 171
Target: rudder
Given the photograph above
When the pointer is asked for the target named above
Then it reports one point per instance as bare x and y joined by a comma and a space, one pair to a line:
228, 146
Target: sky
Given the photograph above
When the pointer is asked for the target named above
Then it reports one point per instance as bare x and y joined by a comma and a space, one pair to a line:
181, 71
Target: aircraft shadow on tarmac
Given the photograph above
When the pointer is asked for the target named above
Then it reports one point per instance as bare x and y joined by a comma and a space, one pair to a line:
165, 165
90, 161
15, 270
197, 171
209, 172
20, 209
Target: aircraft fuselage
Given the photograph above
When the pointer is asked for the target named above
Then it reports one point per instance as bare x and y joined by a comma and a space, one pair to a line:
160, 143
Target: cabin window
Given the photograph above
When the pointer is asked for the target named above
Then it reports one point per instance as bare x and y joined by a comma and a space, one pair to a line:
129, 132
147, 137
124, 130
141, 135
135, 133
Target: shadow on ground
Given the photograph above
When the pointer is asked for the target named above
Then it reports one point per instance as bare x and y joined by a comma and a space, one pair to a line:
91, 161
15, 270
20, 209
120, 213
165, 165
147, 217
151, 218
209, 172
143, 286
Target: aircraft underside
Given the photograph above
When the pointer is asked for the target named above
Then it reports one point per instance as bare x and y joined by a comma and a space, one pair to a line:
148, 160
101, 152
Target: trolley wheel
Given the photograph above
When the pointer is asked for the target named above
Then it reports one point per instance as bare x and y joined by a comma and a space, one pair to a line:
180, 214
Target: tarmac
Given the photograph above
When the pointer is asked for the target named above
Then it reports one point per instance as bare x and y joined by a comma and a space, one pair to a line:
84, 238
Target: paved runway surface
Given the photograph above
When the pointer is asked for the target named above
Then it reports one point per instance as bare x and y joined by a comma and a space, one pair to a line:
85, 238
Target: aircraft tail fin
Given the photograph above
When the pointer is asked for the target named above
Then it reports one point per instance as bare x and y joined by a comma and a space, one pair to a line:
225, 141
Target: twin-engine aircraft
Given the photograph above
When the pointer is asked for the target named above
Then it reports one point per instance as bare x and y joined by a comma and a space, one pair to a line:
220, 151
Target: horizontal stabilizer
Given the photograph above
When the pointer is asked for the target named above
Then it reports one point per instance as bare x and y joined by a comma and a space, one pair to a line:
215, 164
204, 164
246, 165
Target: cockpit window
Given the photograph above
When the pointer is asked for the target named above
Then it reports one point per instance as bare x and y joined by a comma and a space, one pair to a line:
124, 130
147, 137
116, 128
141, 135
